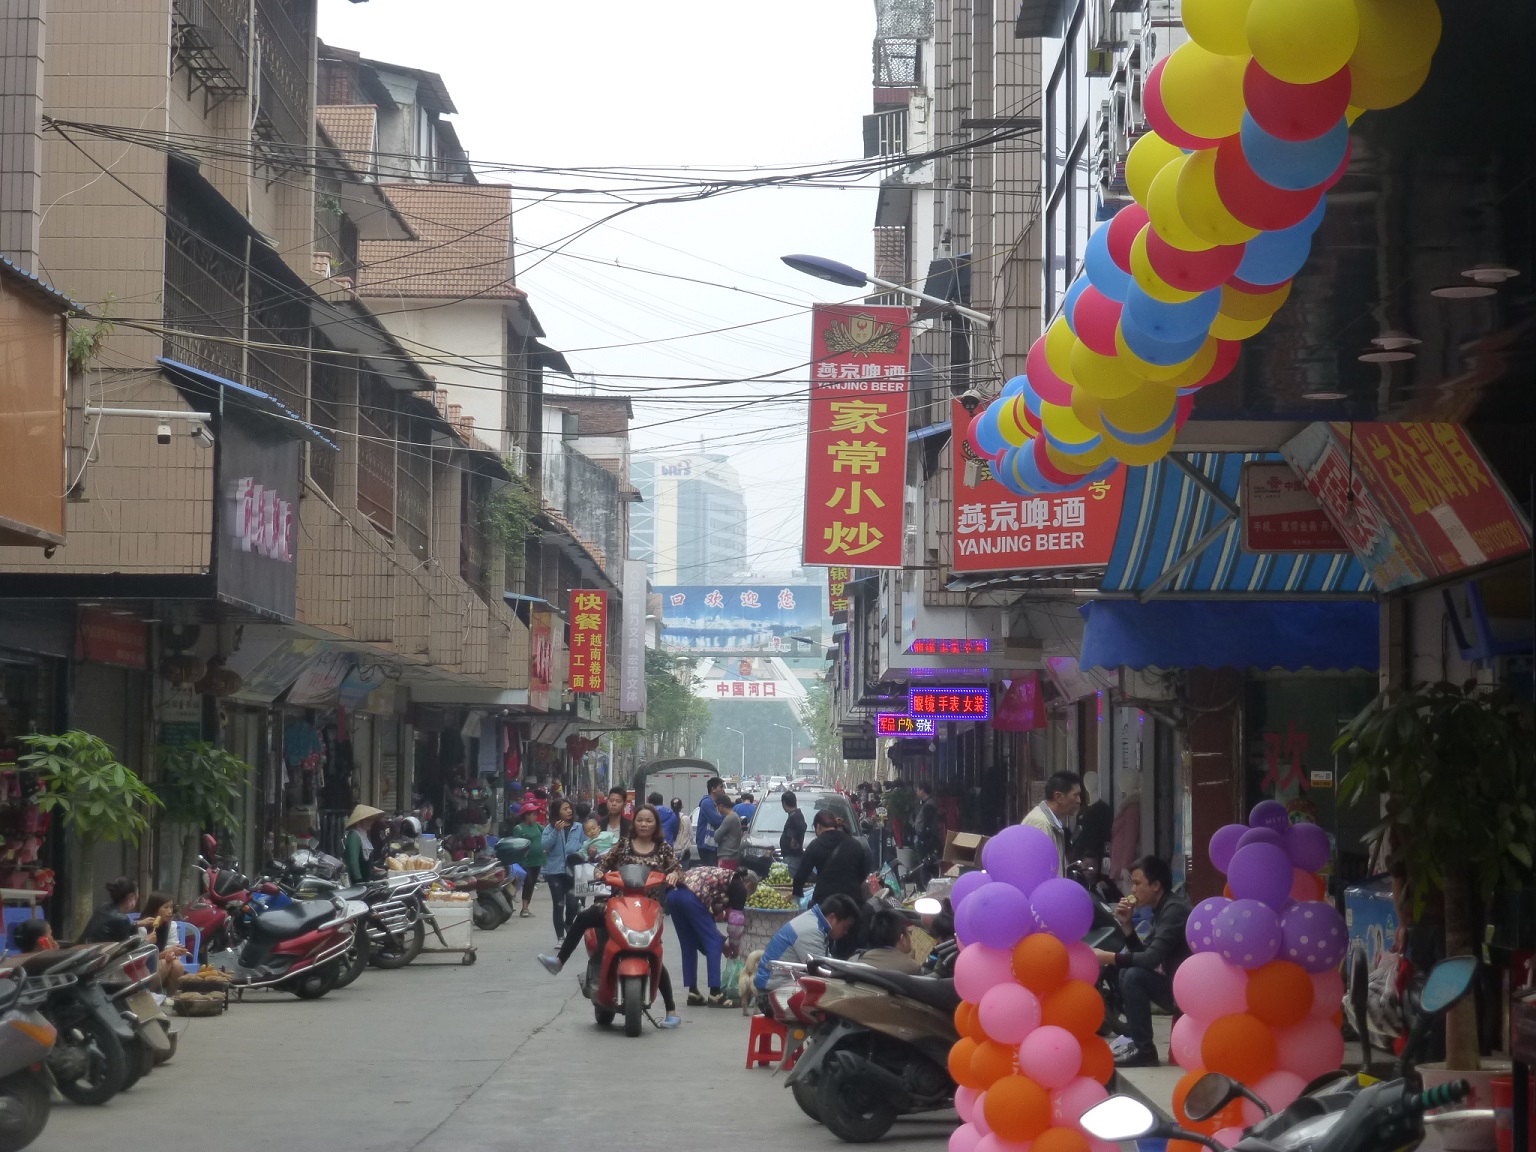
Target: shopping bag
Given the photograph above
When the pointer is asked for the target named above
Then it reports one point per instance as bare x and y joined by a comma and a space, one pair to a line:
730, 981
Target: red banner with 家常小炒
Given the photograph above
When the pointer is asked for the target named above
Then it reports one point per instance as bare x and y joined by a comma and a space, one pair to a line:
589, 639
856, 463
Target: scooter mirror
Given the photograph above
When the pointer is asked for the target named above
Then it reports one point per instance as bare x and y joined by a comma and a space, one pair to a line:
1210, 1094
1448, 982
1119, 1118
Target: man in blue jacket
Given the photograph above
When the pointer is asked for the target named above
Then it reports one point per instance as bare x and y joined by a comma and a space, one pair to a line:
807, 936
709, 819
668, 817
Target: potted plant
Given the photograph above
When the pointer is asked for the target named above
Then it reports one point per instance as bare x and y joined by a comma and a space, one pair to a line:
99, 799
1453, 765
199, 784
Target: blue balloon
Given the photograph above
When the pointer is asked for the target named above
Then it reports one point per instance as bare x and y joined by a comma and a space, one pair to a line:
1274, 257
1141, 437
1002, 472
1314, 218
1172, 323
989, 437
1293, 164
1032, 401
1103, 472
1069, 304
1107, 276
1028, 473
1153, 350
1015, 386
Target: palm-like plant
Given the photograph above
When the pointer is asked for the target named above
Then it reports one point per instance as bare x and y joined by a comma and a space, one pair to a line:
198, 786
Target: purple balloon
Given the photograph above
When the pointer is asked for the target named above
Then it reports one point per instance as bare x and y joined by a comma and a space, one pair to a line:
1022, 856
1269, 814
1261, 836
1247, 933
1261, 872
1308, 847
1064, 907
965, 885
997, 916
1224, 845
1313, 935
1199, 928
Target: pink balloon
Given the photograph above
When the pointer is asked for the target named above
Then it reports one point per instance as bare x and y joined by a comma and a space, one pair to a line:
1229, 1136
979, 969
1082, 964
1279, 1090
992, 1142
1303, 886
964, 1139
1205, 986
1309, 1049
1069, 1103
1184, 1043
965, 1102
1327, 993
979, 1115
1050, 1056
1009, 1013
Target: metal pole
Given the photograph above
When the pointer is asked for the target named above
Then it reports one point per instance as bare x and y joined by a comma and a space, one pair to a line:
947, 305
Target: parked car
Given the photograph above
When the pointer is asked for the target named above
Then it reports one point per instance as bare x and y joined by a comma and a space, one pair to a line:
777, 783
768, 821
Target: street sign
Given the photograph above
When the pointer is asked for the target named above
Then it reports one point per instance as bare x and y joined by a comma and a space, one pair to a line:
858, 747
1281, 515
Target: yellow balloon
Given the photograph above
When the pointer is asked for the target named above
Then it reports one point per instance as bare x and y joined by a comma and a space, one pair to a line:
1010, 427
1147, 278
1146, 370
1228, 328
1141, 411
1163, 209
1352, 113
1146, 159
1064, 426
1079, 463
1200, 204
1253, 305
1302, 41
1085, 406
1194, 369
1397, 37
1059, 342
1140, 454
1101, 376
1218, 25
1203, 91
1372, 90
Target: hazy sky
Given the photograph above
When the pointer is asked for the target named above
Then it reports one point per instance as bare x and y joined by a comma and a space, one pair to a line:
686, 82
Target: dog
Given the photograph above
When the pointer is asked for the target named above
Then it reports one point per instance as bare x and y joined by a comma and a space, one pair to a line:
745, 991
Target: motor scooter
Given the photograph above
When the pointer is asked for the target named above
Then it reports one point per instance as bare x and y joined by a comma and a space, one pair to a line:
487, 881
623, 972
297, 948
25, 1040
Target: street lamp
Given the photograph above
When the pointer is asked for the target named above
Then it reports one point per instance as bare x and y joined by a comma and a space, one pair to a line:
791, 732
838, 273
743, 751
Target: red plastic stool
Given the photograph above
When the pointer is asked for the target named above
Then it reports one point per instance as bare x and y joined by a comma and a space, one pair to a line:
765, 1043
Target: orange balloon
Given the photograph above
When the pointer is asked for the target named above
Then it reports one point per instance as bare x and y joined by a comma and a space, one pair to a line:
960, 1057
992, 1061
1061, 1140
1227, 892
1098, 1060
1017, 1108
1239, 1045
965, 1016
1181, 1093
1040, 962
1280, 993
1075, 1006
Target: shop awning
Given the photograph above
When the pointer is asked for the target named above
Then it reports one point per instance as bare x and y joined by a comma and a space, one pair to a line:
1179, 533
1288, 634
202, 386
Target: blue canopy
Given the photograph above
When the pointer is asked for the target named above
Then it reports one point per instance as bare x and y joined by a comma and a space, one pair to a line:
1289, 634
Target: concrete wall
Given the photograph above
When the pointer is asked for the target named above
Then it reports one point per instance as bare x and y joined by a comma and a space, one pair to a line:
471, 332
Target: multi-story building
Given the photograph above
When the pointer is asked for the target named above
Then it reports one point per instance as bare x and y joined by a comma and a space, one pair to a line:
691, 524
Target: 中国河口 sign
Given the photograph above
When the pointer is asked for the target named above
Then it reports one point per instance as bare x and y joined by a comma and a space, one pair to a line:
950, 703
856, 463
901, 726
589, 639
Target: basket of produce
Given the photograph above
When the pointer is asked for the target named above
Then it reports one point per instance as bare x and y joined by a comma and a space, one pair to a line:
200, 1003
780, 876
202, 983
767, 911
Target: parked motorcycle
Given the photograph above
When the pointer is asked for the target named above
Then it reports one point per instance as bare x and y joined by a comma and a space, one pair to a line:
89, 1060
623, 972
25, 1040
394, 927
488, 881
297, 948
126, 977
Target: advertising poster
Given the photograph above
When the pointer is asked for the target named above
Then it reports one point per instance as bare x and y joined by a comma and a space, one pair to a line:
589, 640
738, 618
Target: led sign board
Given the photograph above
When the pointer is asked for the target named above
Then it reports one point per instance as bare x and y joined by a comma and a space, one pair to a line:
900, 725
929, 646
950, 703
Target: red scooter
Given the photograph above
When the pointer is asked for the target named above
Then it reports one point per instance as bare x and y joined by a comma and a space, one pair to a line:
624, 965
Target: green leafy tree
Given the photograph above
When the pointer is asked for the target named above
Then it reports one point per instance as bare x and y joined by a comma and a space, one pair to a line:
816, 717
675, 719
198, 787
1454, 768
99, 799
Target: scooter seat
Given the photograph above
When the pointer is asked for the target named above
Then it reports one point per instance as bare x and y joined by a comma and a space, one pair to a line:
293, 920
930, 990
36, 963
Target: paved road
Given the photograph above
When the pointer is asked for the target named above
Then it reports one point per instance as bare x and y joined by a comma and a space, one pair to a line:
443, 1058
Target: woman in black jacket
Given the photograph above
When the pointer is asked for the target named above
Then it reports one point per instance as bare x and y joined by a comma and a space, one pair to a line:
839, 861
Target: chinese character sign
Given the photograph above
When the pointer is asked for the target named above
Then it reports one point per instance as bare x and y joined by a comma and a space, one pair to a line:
900, 726
739, 618
950, 703
996, 530
589, 639
931, 646
857, 446
837, 583
1280, 514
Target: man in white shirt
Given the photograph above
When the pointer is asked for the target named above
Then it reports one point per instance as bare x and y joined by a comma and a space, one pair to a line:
1063, 797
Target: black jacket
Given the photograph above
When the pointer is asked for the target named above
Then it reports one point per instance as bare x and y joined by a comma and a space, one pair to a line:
925, 827
841, 864
792, 839
1165, 948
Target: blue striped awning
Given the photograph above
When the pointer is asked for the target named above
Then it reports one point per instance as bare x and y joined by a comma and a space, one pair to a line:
1166, 512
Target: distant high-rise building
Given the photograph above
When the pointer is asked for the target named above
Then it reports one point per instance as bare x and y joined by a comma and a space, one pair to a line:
691, 524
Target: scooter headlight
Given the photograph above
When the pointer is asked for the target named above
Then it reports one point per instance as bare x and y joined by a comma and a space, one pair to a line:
633, 937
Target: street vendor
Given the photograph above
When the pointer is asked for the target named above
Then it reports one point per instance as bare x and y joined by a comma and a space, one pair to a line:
362, 842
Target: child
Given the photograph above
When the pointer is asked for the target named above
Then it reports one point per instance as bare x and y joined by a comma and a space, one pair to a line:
35, 936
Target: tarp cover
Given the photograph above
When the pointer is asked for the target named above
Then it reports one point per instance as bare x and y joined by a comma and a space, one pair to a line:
1289, 634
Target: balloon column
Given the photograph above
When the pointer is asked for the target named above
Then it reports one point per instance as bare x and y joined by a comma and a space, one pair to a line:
1262, 992
1250, 126
1029, 1061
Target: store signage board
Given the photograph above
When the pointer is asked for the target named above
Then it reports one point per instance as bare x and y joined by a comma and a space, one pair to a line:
1280, 514
1022, 706
710, 618
856, 461
632, 650
901, 725
589, 640
256, 516
1415, 502
837, 594
932, 646
998, 530
740, 677
858, 748
950, 703
104, 637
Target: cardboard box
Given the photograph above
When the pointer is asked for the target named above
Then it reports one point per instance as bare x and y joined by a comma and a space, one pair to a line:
962, 850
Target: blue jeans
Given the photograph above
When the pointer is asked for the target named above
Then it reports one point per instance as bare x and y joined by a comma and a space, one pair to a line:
696, 932
562, 902
1140, 988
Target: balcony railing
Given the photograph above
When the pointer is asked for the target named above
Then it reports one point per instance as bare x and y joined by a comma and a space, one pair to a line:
284, 42
885, 134
204, 301
587, 495
212, 41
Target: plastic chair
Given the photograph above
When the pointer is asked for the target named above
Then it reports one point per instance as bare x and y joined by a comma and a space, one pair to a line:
184, 931
765, 1042
14, 916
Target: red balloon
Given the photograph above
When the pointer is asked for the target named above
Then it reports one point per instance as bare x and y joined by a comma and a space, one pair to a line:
1123, 228
1191, 271
1251, 200
1295, 111
1182, 409
1095, 318
1338, 173
1052, 473
1227, 352
1047, 385
1157, 115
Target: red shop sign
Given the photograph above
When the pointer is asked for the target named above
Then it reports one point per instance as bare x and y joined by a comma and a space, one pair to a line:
107, 638
1280, 514
589, 639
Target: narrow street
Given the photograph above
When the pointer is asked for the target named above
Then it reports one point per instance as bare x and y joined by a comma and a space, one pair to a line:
438, 1057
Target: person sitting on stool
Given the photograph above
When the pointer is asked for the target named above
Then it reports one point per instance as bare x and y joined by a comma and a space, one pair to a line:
1146, 968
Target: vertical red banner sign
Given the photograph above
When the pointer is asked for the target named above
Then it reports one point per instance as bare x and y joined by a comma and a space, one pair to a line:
856, 467
589, 639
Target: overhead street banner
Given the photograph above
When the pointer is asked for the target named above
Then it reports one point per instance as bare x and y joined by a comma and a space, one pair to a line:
856, 466
589, 640
632, 648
